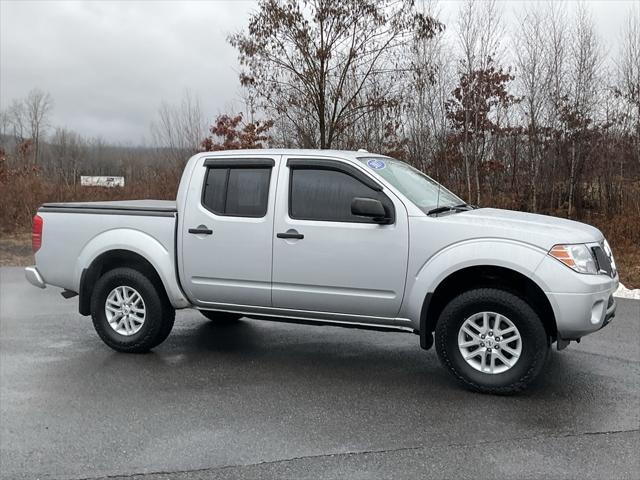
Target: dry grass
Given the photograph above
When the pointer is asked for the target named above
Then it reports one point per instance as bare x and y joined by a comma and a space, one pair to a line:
623, 233
628, 263
15, 249
23, 191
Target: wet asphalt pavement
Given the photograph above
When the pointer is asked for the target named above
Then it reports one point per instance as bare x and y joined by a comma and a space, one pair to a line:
270, 400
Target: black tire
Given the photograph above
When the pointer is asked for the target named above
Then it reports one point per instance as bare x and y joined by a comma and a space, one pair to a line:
159, 316
535, 342
221, 317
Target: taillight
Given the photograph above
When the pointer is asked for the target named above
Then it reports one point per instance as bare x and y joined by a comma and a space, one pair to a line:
36, 233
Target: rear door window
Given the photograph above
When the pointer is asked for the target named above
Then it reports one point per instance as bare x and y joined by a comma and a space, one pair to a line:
237, 192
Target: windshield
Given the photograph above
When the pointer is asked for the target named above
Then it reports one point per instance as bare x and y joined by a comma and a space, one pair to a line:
413, 184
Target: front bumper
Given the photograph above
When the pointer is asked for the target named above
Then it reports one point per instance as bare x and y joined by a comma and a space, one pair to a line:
581, 303
578, 314
33, 276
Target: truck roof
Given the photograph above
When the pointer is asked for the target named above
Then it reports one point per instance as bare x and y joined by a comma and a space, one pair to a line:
303, 152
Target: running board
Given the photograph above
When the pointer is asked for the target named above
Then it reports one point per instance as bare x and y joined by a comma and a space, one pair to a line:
334, 323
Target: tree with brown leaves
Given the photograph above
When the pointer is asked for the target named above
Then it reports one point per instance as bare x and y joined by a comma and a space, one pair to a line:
231, 133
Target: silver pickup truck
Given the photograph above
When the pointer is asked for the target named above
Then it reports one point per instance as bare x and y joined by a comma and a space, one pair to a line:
340, 238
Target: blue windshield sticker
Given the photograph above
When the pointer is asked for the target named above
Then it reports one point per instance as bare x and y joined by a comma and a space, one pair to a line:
376, 164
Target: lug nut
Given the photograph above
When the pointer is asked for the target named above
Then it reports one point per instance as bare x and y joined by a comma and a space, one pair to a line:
489, 350
497, 347
482, 344
497, 339
490, 333
482, 336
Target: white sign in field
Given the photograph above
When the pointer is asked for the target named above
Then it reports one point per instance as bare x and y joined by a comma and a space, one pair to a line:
87, 181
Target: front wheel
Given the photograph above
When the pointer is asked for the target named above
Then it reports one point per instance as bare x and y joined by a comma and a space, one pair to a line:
129, 311
491, 340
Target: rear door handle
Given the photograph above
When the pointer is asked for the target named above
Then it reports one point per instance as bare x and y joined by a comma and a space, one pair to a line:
290, 234
201, 230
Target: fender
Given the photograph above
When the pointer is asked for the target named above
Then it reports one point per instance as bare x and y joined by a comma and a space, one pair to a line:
143, 244
518, 256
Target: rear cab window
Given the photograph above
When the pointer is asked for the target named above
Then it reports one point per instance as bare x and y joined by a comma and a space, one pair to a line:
237, 191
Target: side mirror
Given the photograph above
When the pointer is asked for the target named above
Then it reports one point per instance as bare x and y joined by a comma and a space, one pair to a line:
370, 207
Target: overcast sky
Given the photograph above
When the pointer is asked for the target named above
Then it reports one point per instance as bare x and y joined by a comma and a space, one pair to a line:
109, 64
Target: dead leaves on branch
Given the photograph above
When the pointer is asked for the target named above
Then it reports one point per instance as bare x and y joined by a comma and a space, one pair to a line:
231, 133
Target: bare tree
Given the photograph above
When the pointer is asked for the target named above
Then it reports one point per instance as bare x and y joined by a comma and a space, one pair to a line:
584, 76
556, 66
68, 149
629, 74
318, 59
480, 33
5, 124
37, 107
533, 77
18, 119
179, 129
5, 138
430, 85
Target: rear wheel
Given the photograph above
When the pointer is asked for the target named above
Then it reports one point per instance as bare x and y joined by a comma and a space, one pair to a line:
221, 317
491, 340
129, 311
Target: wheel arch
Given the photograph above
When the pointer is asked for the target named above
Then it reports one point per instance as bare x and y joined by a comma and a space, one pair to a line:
479, 276
110, 260
143, 248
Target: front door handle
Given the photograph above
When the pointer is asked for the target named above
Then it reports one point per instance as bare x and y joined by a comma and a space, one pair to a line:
290, 234
201, 230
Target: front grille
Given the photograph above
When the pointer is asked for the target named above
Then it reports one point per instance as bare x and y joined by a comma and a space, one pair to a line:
603, 261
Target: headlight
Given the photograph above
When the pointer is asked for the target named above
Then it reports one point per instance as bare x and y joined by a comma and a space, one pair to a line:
578, 257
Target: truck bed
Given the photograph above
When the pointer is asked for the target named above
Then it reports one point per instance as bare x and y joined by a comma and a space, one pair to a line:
75, 233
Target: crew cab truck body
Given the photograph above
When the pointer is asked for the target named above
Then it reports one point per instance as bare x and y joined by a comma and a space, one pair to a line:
333, 238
